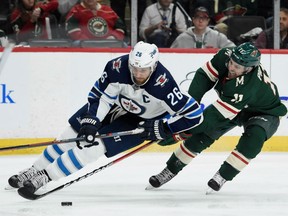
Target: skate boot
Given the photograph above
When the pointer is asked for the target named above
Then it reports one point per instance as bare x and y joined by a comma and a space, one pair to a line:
216, 183
16, 181
37, 181
158, 180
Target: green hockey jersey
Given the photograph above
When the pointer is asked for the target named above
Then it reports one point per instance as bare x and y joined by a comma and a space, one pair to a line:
252, 92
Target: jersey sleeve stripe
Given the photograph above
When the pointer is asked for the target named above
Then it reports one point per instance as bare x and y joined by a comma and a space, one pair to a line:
191, 109
211, 72
74, 30
226, 109
96, 90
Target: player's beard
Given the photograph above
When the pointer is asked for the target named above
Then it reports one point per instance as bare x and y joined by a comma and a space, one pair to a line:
232, 75
139, 82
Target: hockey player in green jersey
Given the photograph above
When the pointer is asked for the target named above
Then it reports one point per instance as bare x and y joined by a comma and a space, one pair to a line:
247, 98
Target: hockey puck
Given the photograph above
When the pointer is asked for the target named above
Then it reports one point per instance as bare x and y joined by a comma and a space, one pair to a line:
66, 203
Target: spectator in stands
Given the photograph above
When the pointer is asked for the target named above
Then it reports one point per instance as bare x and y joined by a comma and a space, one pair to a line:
226, 9
3, 39
66, 5
186, 4
201, 35
155, 26
208, 4
266, 9
28, 19
265, 38
91, 20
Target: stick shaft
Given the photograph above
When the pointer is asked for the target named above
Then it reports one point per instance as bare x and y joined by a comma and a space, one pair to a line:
107, 135
5, 54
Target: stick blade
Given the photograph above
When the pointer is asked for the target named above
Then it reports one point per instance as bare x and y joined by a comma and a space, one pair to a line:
27, 194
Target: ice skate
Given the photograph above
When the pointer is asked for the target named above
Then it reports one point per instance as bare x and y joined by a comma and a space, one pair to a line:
36, 182
158, 180
216, 183
16, 181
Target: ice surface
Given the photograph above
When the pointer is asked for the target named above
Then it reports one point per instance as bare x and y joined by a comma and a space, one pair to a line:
260, 190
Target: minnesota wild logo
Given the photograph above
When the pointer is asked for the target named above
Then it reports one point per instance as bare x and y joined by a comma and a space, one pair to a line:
254, 53
98, 26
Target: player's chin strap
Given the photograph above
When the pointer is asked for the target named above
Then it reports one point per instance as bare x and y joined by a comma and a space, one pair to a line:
107, 135
28, 195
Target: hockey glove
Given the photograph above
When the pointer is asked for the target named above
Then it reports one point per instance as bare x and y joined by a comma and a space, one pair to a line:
89, 128
154, 130
175, 138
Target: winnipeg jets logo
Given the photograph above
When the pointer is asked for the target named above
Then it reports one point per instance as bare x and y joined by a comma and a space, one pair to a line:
131, 105
117, 65
161, 80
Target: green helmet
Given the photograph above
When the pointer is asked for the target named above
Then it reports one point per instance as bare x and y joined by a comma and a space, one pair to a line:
246, 54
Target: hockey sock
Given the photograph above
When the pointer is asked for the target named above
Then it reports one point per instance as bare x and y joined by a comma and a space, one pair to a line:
234, 164
54, 151
250, 144
180, 158
75, 159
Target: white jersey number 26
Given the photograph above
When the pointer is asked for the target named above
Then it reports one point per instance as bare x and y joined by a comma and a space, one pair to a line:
174, 96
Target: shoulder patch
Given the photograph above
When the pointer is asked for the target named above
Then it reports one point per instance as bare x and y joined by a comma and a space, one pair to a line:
161, 80
116, 65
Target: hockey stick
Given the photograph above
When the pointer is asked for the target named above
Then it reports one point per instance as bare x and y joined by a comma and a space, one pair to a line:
30, 196
5, 54
107, 135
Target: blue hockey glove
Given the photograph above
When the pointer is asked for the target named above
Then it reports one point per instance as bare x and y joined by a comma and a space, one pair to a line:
154, 130
89, 128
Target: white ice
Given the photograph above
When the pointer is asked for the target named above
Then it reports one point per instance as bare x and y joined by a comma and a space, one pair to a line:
261, 189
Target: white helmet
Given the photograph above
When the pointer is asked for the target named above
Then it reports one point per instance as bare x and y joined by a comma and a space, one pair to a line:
144, 55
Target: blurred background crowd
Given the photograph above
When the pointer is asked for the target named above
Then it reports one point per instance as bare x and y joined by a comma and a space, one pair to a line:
166, 23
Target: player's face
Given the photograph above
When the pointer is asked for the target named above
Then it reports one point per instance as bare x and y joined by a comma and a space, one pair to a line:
235, 70
140, 74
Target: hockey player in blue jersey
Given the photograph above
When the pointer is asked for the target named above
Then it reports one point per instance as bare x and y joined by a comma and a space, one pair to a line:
134, 91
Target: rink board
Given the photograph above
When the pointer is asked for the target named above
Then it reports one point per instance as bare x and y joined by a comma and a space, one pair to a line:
52, 84
225, 143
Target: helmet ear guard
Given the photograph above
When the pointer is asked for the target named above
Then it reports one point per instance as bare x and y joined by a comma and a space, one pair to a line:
246, 54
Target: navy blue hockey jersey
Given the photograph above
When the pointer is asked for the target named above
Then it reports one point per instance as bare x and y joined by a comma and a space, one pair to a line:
159, 98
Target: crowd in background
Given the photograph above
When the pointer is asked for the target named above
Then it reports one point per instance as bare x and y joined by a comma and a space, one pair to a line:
166, 23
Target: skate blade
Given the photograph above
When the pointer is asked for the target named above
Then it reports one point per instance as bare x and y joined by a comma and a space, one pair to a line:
8, 187
209, 191
150, 187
